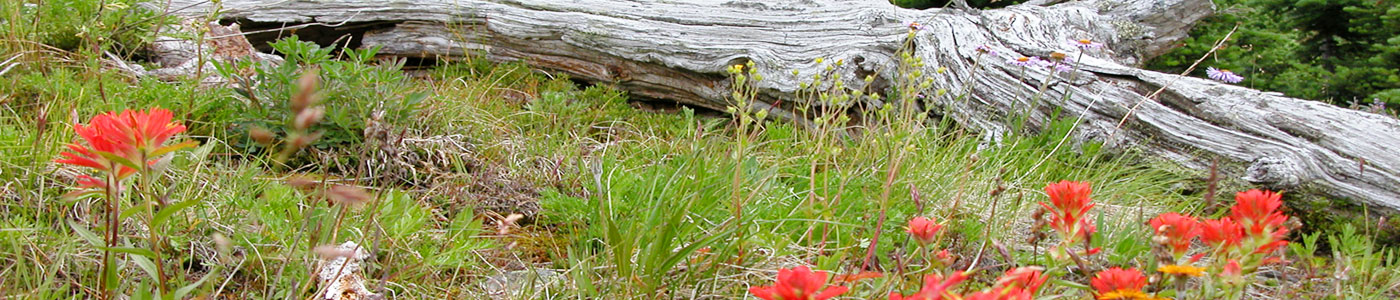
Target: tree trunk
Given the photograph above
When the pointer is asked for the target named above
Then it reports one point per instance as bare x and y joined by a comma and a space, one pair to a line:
679, 51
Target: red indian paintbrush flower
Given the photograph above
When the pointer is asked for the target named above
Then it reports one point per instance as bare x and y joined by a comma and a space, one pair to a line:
120, 143
1017, 284
935, 288
999, 294
1257, 211
1069, 203
798, 283
1232, 273
1027, 278
1178, 229
1068, 209
1222, 232
1117, 283
924, 229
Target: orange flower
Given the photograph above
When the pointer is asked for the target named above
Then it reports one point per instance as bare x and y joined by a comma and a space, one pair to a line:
1178, 229
1119, 282
935, 287
944, 257
798, 283
924, 229
1182, 270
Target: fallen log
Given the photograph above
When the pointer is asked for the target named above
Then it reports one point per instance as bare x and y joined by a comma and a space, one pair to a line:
679, 51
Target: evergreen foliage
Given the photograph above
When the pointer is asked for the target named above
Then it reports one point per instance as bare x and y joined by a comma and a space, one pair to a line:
1341, 51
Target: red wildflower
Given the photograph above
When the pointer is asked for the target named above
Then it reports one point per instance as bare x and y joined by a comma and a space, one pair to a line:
798, 283
1232, 268
935, 288
1028, 279
99, 141
87, 182
1069, 203
1178, 229
1258, 212
1118, 280
1000, 294
1223, 232
135, 136
984, 295
148, 130
858, 276
944, 257
924, 229
1270, 247
1232, 273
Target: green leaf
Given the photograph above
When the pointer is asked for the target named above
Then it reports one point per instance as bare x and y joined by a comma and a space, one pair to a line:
1071, 284
132, 251
145, 264
118, 159
164, 214
86, 234
185, 290
143, 292
172, 148
75, 194
203, 151
128, 212
415, 98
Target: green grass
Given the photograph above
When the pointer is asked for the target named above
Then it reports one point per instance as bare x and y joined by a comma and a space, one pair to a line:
621, 203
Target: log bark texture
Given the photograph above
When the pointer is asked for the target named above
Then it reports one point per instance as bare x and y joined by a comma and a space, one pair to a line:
679, 51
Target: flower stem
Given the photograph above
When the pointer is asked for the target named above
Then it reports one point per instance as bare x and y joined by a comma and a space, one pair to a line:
152, 229
112, 195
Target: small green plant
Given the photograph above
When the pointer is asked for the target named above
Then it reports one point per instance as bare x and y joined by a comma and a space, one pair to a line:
1365, 272
355, 93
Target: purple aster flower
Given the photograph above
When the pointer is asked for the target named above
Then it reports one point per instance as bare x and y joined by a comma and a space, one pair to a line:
1223, 75
1086, 44
1060, 62
1024, 61
984, 49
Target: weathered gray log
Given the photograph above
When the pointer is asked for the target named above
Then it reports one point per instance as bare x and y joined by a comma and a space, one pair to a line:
679, 50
